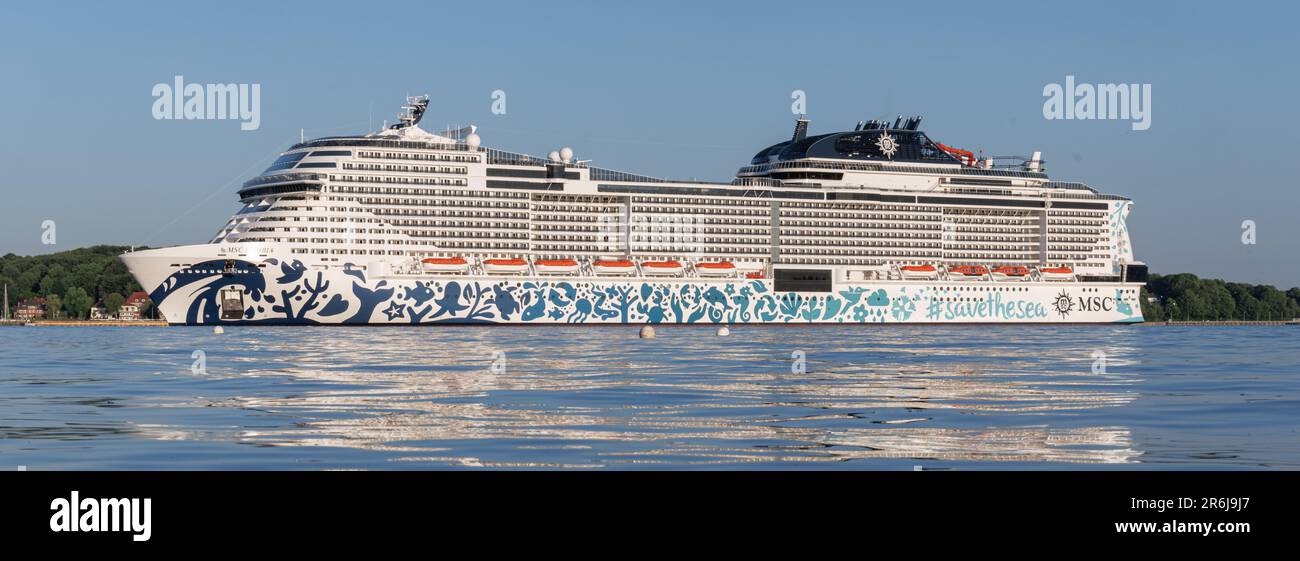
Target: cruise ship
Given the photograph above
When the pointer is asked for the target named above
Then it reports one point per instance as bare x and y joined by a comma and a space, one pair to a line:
878, 224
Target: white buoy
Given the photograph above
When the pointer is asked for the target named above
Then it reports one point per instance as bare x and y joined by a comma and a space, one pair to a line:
723, 331
218, 330
647, 332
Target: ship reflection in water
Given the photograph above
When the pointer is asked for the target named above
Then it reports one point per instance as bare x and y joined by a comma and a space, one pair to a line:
602, 397
947, 397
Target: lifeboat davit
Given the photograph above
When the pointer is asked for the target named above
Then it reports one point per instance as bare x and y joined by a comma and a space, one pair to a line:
445, 265
966, 157
505, 266
1011, 272
715, 269
661, 268
556, 266
613, 267
1056, 273
919, 271
967, 272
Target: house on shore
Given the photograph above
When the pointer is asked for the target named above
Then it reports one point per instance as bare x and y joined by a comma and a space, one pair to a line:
30, 309
133, 308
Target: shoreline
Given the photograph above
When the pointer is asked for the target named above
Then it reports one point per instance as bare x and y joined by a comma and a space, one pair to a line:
1222, 323
162, 323
85, 323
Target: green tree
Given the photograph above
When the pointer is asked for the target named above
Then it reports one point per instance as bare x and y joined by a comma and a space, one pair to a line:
55, 280
113, 302
1151, 311
1185, 297
53, 306
97, 270
77, 302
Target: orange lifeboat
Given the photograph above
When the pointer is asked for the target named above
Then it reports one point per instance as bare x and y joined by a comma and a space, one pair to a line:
754, 275
919, 271
661, 268
556, 266
445, 265
1011, 272
505, 266
964, 272
715, 268
613, 267
1056, 273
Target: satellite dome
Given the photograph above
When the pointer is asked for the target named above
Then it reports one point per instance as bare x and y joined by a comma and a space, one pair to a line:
473, 141
566, 153
553, 156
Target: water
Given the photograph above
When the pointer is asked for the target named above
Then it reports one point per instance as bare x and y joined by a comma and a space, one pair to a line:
961, 397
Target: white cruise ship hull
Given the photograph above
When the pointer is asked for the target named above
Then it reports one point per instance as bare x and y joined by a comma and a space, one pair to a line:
209, 288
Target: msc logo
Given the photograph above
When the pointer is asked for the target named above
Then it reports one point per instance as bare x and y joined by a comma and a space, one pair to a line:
1097, 304
1064, 304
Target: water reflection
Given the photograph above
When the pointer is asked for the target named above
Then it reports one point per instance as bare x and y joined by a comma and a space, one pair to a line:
600, 397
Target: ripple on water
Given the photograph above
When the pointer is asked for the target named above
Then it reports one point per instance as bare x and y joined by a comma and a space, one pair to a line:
591, 398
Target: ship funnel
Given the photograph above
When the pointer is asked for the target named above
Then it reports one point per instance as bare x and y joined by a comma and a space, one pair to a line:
800, 130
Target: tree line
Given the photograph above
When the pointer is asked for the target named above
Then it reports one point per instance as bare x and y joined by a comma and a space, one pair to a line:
1186, 297
71, 282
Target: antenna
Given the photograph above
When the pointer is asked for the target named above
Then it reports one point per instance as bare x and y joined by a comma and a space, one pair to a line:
302, 135
414, 111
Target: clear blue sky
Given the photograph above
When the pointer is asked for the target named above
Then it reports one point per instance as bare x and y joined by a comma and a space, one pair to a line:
678, 89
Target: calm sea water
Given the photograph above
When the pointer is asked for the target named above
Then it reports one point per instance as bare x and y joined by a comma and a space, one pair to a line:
772, 397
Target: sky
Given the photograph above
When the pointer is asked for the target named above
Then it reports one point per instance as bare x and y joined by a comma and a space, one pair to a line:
670, 89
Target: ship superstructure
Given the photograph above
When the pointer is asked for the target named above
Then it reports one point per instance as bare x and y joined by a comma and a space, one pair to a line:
877, 224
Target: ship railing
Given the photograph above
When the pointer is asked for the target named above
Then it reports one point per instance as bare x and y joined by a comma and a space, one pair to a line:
1070, 185
873, 166
285, 178
362, 142
504, 157
602, 174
